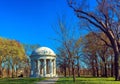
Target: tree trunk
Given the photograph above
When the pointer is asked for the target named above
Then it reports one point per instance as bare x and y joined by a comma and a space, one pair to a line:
16, 72
112, 67
78, 65
93, 69
73, 71
78, 71
93, 72
69, 69
105, 70
102, 71
97, 70
1, 74
116, 60
12, 71
116, 49
117, 66
64, 71
8, 72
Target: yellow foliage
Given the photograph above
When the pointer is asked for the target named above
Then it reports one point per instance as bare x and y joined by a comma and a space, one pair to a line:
12, 49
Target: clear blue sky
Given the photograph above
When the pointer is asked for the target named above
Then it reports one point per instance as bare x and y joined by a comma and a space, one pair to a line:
29, 21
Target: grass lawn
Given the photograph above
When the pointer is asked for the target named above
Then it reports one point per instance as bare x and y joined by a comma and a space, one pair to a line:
20, 80
87, 80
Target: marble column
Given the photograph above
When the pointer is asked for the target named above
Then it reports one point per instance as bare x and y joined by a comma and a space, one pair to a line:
38, 68
32, 67
51, 68
54, 67
44, 67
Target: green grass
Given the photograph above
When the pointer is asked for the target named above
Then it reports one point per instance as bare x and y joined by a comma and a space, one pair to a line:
20, 80
87, 80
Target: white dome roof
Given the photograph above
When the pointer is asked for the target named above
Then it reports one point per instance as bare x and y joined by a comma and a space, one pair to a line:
44, 51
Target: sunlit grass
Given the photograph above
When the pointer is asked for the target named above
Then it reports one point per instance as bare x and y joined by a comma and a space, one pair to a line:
87, 80
20, 80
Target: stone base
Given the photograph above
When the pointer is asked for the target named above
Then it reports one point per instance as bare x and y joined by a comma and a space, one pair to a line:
47, 75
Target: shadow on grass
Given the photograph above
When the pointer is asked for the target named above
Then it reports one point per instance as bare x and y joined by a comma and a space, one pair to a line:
19, 80
87, 80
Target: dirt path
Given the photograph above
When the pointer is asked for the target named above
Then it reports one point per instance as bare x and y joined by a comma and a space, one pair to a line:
48, 81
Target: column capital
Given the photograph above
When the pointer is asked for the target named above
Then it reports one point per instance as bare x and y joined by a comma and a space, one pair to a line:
50, 60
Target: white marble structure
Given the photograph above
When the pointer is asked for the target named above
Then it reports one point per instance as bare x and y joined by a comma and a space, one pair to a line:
43, 63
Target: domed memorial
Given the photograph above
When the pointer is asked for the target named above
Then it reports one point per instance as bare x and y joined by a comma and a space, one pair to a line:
43, 51
43, 62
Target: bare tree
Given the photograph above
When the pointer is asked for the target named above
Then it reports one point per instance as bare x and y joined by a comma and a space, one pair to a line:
68, 43
97, 54
105, 16
62, 60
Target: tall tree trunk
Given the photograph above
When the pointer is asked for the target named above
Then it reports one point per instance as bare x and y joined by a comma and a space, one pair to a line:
16, 72
78, 66
65, 71
78, 71
101, 72
69, 68
97, 70
1, 74
116, 49
73, 71
112, 67
93, 69
117, 66
12, 71
105, 70
8, 72
116, 59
